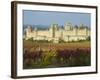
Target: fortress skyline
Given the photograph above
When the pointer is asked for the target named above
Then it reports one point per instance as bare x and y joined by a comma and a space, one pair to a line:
55, 34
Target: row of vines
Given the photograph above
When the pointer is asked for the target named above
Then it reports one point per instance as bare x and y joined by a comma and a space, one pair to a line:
55, 55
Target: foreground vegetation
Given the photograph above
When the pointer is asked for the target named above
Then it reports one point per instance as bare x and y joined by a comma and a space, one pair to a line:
48, 55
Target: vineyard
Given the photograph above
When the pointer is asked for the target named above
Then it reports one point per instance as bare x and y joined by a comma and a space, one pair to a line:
50, 55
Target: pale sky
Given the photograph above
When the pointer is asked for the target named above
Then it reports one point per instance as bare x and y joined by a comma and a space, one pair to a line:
31, 17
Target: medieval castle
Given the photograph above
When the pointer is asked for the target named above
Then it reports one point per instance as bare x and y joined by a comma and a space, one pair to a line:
56, 33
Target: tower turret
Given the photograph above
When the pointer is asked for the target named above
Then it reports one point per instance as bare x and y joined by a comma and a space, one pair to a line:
29, 29
53, 29
68, 26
